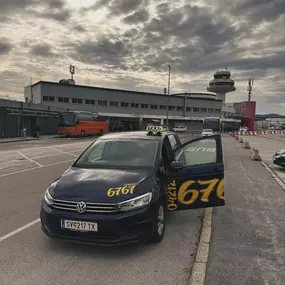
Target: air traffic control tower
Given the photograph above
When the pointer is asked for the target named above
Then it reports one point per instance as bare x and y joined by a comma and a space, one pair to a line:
222, 84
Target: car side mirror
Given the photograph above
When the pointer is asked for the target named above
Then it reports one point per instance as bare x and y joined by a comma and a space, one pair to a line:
176, 165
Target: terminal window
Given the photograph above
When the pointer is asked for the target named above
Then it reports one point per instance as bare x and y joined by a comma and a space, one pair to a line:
144, 106
162, 107
135, 105
92, 102
79, 101
171, 108
153, 106
203, 110
63, 99
188, 109
179, 108
196, 110
114, 104
102, 103
124, 104
210, 110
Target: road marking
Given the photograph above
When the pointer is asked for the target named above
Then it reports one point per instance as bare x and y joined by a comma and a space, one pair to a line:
198, 272
64, 152
33, 168
19, 230
31, 160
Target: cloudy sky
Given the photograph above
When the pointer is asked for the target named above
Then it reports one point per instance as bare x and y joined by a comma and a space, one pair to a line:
128, 44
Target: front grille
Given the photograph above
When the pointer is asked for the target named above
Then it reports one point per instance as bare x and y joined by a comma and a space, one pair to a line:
90, 207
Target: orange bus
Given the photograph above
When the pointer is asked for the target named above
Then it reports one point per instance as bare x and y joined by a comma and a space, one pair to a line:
80, 123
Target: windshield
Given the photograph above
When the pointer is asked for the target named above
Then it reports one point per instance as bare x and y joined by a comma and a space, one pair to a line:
67, 118
208, 130
109, 153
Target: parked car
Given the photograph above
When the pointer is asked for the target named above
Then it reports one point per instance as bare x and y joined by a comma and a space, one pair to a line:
207, 132
279, 158
180, 129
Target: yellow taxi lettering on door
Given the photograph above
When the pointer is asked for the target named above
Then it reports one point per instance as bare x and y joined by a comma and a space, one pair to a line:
195, 193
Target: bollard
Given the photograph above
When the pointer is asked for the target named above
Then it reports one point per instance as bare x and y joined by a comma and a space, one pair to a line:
255, 154
246, 145
236, 137
240, 140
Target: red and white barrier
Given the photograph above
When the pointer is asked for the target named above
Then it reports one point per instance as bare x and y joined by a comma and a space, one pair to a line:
253, 133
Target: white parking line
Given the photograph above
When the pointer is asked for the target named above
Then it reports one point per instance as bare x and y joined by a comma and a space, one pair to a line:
19, 230
64, 152
33, 161
33, 168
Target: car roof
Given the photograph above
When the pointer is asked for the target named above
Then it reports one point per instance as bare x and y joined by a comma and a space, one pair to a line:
136, 135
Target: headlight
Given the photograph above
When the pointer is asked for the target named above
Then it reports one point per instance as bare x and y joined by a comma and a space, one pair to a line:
48, 198
135, 203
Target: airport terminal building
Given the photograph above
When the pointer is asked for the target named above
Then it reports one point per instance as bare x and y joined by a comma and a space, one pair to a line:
43, 101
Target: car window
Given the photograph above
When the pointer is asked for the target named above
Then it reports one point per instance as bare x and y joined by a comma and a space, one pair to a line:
108, 153
198, 152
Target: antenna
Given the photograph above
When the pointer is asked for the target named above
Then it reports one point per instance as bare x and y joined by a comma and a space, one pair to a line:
72, 70
250, 84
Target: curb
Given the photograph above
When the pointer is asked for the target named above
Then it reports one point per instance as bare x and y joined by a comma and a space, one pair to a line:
198, 272
23, 140
274, 175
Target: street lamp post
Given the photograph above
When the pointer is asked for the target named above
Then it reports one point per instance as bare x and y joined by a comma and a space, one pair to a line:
167, 126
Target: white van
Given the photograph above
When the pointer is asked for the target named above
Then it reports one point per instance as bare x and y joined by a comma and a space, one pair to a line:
180, 129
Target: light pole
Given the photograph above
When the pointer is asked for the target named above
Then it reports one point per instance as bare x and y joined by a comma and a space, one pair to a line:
167, 126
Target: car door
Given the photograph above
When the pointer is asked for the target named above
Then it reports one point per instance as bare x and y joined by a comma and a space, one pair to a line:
195, 178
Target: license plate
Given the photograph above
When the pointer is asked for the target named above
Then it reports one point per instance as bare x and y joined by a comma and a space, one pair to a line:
79, 226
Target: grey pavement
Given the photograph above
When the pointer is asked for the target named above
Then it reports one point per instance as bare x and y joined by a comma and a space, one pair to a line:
247, 243
267, 146
29, 257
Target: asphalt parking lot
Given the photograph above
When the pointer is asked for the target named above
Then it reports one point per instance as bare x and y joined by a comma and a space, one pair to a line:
29, 257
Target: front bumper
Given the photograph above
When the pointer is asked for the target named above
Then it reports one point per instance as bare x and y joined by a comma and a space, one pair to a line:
280, 161
113, 229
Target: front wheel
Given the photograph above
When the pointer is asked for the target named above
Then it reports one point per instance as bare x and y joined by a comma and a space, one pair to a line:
159, 224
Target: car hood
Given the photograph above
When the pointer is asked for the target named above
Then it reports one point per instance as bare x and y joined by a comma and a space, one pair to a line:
280, 151
92, 185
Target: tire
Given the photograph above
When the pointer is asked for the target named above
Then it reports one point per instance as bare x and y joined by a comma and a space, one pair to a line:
159, 224
82, 133
101, 132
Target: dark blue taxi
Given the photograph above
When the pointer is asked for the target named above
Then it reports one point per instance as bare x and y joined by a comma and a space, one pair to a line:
121, 187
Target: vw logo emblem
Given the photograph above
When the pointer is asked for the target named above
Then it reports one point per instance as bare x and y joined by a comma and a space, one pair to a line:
81, 207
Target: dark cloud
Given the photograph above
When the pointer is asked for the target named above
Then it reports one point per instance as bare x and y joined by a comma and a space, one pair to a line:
52, 9
60, 16
79, 28
56, 4
8, 5
255, 11
137, 17
111, 53
43, 50
118, 7
162, 8
5, 47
